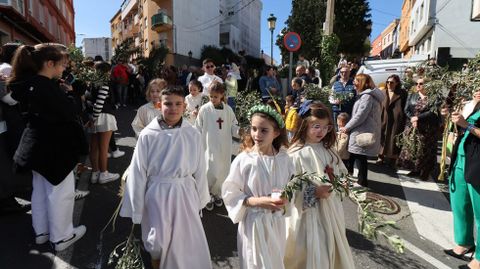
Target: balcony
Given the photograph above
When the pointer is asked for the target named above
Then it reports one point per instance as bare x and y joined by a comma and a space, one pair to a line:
422, 19
161, 22
128, 7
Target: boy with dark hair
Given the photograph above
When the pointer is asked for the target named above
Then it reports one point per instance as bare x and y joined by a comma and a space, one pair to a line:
209, 76
167, 187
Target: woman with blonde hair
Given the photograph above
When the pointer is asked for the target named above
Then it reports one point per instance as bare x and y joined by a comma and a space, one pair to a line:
365, 125
147, 112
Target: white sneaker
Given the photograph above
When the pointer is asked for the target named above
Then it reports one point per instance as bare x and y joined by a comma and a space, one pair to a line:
117, 153
42, 238
78, 232
106, 177
94, 177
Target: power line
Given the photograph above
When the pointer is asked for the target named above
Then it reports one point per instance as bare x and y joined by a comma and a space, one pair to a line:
214, 18
217, 23
384, 12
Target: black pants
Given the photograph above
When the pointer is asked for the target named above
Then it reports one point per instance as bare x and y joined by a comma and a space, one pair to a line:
112, 144
362, 165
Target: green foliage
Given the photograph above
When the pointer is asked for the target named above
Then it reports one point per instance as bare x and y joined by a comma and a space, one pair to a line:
245, 101
125, 50
75, 54
153, 63
352, 25
306, 18
370, 224
220, 56
313, 92
131, 257
254, 62
329, 49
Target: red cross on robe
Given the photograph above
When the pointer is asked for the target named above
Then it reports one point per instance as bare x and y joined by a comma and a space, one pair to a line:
219, 121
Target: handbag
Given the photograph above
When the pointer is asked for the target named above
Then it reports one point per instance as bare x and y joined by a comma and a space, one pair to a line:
365, 139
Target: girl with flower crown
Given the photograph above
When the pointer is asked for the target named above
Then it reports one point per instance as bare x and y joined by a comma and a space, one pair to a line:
251, 192
316, 228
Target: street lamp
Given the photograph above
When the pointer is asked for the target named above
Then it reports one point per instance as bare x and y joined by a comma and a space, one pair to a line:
271, 26
189, 56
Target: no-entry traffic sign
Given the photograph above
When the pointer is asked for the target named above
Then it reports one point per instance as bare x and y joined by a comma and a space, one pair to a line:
292, 41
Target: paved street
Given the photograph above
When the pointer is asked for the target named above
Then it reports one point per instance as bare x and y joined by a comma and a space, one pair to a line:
424, 219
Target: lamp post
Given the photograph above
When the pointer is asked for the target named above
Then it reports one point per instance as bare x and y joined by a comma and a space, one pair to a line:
272, 20
189, 57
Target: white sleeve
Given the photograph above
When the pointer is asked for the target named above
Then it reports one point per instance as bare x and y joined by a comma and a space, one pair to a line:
235, 126
233, 192
200, 176
199, 120
135, 187
138, 122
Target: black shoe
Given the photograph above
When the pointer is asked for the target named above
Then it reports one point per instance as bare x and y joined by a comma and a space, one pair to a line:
464, 266
461, 256
413, 174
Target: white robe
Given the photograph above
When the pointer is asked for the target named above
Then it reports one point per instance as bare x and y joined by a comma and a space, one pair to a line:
145, 114
261, 233
217, 142
165, 191
316, 236
193, 102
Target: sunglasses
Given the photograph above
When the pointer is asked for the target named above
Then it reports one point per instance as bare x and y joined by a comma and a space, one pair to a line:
390, 82
210, 66
419, 83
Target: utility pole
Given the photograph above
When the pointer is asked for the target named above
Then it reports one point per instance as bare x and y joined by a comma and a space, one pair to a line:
329, 18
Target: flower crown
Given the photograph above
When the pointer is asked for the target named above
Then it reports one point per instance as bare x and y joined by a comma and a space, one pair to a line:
268, 111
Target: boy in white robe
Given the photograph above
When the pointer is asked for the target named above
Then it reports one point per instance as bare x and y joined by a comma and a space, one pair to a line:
252, 191
194, 100
217, 123
166, 188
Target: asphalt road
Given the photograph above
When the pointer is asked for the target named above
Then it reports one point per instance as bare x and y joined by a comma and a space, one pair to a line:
18, 250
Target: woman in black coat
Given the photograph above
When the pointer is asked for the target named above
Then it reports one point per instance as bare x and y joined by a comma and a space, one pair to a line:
49, 146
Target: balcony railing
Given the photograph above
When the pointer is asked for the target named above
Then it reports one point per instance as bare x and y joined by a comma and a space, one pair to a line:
161, 22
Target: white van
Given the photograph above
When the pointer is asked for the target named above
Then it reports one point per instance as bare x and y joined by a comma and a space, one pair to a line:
380, 70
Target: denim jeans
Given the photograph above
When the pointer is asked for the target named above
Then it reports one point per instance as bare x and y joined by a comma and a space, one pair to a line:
121, 92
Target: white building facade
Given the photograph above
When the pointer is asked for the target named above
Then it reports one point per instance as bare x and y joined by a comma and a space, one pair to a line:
240, 25
102, 46
445, 29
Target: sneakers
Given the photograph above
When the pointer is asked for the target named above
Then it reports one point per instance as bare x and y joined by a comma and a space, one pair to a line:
217, 201
80, 194
94, 177
78, 232
117, 154
106, 177
210, 204
42, 238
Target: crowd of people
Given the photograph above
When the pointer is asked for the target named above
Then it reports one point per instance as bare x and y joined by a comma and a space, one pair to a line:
51, 122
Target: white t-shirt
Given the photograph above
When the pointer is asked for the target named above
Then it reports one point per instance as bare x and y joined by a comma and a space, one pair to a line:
206, 80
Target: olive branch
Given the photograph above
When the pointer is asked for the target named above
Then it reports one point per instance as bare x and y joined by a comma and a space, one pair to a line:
370, 224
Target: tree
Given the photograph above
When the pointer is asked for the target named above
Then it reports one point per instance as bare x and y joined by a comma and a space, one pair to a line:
352, 25
125, 50
306, 19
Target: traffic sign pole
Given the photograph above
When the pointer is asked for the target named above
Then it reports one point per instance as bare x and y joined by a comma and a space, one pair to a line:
290, 64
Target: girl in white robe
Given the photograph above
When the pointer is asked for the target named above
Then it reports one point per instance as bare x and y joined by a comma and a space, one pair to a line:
316, 228
252, 189
166, 189
193, 100
218, 124
147, 112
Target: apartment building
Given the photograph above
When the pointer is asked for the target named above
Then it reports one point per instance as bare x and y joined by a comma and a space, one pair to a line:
240, 25
186, 26
447, 30
34, 21
376, 46
98, 46
403, 36
389, 39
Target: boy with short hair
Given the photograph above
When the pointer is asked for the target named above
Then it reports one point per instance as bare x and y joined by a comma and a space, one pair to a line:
166, 188
209, 76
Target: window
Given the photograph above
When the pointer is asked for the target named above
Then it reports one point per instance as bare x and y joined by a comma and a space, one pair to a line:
41, 15
30, 7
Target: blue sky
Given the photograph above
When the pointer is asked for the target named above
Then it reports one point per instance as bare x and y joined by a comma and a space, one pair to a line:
92, 17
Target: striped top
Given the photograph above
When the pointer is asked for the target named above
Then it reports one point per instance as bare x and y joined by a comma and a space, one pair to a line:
102, 102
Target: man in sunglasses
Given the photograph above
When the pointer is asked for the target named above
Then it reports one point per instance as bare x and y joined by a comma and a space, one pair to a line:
209, 76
